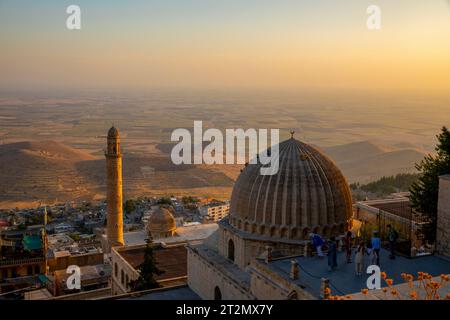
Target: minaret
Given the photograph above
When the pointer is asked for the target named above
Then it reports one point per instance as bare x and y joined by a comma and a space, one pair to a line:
113, 156
45, 241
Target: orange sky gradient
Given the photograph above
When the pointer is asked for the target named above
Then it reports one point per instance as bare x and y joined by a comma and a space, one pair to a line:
323, 46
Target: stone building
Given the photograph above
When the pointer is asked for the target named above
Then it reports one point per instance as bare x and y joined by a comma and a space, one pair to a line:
22, 261
271, 216
93, 277
443, 218
126, 261
215, 211
161, 223
114, 231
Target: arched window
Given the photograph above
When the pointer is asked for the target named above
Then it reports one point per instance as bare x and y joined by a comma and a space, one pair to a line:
231, 250
116, 270
217, 294
122, 277
127, 281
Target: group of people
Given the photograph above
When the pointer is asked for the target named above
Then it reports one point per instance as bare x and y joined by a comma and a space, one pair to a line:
365, 253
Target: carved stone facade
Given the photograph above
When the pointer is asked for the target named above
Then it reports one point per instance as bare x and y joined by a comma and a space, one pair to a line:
242, 247
271, 217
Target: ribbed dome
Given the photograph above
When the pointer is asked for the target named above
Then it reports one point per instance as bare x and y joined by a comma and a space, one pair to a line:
161, 223
113, 132
309, 193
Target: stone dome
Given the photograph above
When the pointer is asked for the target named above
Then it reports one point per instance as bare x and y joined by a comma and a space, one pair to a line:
309, 193
113, 132
161, 223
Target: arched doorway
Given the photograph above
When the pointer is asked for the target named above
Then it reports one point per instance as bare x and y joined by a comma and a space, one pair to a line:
217, 293
231, 250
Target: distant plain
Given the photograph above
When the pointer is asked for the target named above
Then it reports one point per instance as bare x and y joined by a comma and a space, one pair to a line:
51, 145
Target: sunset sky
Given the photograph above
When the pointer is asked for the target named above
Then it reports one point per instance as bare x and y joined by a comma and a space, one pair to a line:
322, 44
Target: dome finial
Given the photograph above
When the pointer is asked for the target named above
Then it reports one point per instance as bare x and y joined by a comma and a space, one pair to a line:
292, 134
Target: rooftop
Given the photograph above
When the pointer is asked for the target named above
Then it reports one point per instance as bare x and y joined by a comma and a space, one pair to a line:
344, 280
182, 234
179, 293
172, 260
89, 273
32, 242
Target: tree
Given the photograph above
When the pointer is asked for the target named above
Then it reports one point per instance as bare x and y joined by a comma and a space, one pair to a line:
189, 200
165, 200
130, 206
147, 270
425, 191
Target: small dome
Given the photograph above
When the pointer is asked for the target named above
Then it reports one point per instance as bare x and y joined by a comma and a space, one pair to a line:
161, 223
113, 132
309, 193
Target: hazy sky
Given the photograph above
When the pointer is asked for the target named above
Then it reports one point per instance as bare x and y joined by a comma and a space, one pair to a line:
134, 44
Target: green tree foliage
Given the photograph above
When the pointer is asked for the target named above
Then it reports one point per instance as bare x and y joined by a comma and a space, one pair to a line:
165, 200
189, 199
387, 185
425, 191
147, 271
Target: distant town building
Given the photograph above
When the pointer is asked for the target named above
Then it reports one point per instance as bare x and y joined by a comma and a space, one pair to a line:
214, 211
93, 277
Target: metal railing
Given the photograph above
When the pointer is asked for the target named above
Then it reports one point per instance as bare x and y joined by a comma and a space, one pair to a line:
18, 262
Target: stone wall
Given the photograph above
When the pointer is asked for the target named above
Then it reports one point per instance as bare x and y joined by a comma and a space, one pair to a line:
269, 285
119, 283
203, 278
245, 250
80, 260
443, 218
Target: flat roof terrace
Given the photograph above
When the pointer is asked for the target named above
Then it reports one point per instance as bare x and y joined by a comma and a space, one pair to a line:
344, 280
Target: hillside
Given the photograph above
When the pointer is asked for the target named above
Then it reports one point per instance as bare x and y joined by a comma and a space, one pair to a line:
368, 161
31, 171
356, 151
53, 172
384, 186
